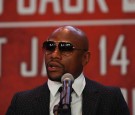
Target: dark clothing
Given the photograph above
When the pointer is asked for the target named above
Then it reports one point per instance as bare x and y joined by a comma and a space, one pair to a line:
97, 100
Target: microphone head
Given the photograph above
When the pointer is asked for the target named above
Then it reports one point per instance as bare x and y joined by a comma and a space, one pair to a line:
67, 76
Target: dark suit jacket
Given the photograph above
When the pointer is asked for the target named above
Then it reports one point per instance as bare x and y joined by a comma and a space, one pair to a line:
97, 100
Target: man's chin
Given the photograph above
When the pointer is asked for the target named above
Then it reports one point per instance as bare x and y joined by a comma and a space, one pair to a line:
55, 77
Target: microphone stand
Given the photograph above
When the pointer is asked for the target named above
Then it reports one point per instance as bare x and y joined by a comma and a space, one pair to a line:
57, 110
63, 108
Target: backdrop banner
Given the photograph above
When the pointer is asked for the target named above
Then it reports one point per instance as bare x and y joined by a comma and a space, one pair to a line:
26, 24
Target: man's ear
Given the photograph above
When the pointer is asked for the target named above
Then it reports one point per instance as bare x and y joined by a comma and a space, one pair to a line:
85, 58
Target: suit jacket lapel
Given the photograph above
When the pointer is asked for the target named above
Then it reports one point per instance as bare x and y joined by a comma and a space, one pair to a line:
44, 100
90, 99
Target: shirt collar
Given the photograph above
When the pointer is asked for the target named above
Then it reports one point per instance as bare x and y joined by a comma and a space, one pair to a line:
78, 85
53, 86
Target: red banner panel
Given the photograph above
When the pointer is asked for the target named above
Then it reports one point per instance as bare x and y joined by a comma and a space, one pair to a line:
25, 24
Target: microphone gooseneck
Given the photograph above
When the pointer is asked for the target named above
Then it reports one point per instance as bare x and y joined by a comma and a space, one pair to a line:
65, 96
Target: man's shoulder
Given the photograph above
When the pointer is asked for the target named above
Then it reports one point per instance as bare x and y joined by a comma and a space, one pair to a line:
24, 102
106, 93
33, 93
108, 97
96, 86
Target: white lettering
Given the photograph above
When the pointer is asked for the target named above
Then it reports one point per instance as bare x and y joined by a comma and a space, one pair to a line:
122, 51
29, 10
43, 71
1, 6
102, 4
34, 61
43, 6
73, 9
128, 5
133, 100
125, 94
119, 50
103, 55
2, 41
67, 8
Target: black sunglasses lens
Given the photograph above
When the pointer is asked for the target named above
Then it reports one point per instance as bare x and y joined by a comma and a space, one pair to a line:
66, 47
49, 45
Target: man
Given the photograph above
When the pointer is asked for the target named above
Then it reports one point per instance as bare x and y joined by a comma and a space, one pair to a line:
67, 51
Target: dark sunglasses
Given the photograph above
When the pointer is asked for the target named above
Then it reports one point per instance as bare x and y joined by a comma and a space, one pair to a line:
50, 46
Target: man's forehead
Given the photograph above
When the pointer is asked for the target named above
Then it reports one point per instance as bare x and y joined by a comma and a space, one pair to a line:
64, 33
69, 34
60, 36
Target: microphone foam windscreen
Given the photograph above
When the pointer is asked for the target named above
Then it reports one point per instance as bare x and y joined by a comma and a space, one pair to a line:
67, 76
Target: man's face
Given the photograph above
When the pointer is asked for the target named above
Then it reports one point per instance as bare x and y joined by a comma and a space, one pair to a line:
59, 63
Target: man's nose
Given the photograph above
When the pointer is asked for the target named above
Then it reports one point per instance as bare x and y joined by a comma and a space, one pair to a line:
56, 53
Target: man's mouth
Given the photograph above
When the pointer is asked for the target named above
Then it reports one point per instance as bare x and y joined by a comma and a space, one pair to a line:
54, 66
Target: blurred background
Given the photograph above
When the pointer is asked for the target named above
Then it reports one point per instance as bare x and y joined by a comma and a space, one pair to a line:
25, 24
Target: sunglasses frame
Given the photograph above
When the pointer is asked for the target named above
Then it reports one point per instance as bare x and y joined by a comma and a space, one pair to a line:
57, 44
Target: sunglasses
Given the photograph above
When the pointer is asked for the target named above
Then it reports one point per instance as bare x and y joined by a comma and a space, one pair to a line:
64, 47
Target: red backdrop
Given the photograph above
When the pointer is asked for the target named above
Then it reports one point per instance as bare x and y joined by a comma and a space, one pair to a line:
25, 24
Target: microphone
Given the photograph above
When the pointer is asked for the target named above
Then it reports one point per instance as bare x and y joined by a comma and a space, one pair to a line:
65, 96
